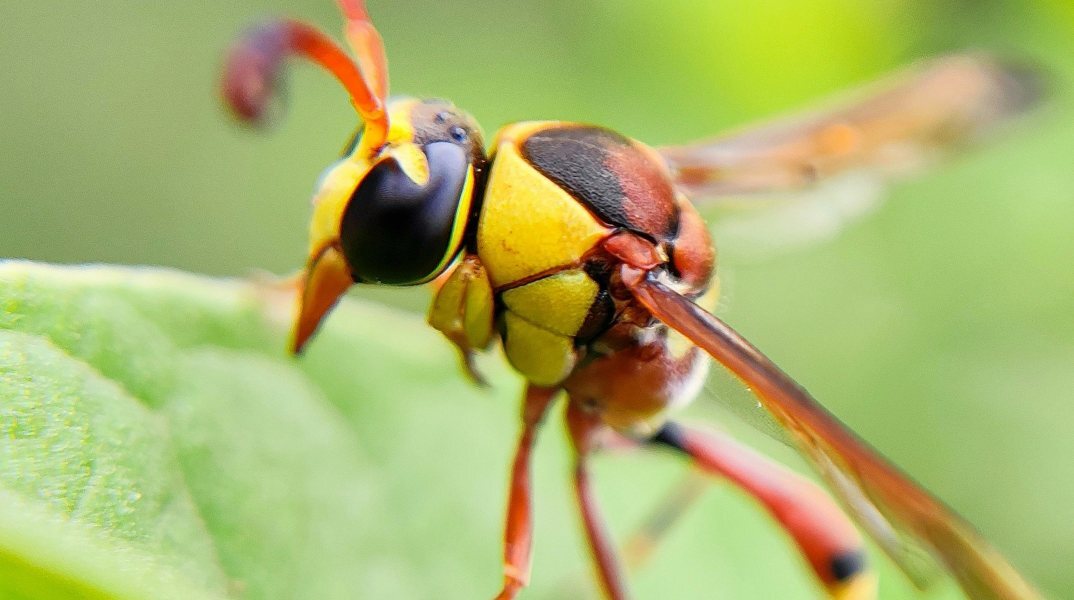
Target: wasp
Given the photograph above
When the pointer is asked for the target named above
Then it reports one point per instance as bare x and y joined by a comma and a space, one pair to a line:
581, 252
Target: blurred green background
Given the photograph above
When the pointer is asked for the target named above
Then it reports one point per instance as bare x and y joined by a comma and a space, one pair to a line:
941, 329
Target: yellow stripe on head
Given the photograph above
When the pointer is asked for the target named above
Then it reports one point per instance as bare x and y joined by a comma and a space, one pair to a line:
337, 186
339, 183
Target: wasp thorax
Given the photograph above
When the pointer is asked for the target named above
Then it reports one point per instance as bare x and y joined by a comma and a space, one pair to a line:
405, 220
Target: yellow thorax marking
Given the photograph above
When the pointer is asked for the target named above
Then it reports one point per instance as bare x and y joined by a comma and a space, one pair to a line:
558, 303
528, 223
543, 357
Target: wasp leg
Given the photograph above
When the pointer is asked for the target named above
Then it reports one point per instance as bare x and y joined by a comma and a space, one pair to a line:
583, 428
641, 544
462, 310
824, 535
518, 533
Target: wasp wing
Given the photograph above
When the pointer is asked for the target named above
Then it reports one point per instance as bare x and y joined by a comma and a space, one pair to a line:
899, 514
888, 129
780, 224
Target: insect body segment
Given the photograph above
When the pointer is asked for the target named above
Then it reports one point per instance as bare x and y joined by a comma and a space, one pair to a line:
541, 321
560, 198
578, 248
397, 213
463, 311
529, 225
405, 220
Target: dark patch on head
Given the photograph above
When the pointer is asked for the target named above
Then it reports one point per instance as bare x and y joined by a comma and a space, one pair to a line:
436, 120
619, 182
848, 564
397, 232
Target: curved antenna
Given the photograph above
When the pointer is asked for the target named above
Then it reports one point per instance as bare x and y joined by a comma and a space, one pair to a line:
254, 67
365, 41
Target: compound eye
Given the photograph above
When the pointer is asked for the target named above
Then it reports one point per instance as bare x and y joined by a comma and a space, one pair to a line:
397, 232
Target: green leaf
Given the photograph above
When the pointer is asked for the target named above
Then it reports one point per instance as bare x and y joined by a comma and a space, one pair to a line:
157, 442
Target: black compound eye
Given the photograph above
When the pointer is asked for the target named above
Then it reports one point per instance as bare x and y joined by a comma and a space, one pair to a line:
459, 134
397, 232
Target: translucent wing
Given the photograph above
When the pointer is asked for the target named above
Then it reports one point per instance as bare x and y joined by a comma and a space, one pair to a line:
899, 515
783, 223
888, 129
814, 174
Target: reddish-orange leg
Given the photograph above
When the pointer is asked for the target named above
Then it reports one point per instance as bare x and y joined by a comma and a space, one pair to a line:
584, 428
822, 532
518, 534
639, 547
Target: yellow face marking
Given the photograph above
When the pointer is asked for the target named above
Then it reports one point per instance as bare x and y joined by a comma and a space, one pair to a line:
558, 303
400, 128
528, 223
411, 160
331, 201
542, 357
340, 182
